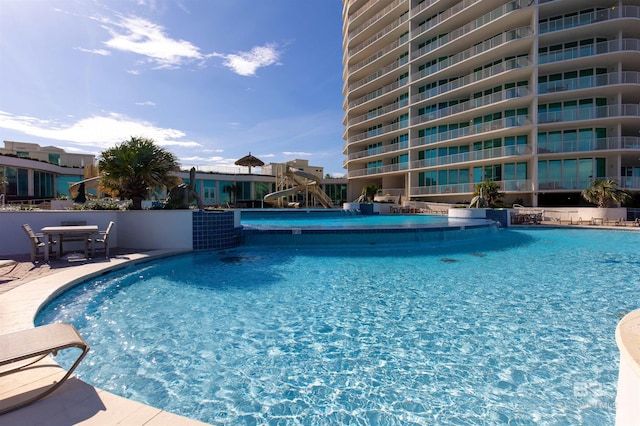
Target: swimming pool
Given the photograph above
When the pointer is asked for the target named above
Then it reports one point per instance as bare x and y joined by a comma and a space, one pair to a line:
516, 328
334, 219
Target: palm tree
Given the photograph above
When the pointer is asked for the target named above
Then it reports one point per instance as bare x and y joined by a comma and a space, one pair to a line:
604, 192
369, 191
490, 190
136, 166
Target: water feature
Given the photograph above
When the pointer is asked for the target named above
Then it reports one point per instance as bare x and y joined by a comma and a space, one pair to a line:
515, 328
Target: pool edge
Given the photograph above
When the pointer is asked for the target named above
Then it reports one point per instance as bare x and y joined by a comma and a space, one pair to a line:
77, 401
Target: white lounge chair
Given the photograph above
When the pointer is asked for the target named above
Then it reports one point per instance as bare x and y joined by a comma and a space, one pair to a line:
5, 263
27, 372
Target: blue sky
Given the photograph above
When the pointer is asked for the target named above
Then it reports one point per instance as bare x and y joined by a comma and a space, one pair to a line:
209, 80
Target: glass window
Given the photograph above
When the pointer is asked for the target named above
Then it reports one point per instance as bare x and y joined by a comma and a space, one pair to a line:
585, 172
54, 159
569, 174
42, 184
601, 167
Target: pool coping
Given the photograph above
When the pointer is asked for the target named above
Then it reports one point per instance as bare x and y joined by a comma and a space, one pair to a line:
77, 401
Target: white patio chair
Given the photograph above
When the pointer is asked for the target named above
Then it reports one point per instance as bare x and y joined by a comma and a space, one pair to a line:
102, 238
38, 241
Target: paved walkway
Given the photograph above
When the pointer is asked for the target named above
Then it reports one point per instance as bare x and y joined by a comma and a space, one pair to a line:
26, 271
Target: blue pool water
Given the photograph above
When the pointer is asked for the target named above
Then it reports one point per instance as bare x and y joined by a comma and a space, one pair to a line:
515, 328
332, 219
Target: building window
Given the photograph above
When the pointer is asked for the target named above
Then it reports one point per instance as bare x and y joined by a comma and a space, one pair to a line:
54, 159
42, 184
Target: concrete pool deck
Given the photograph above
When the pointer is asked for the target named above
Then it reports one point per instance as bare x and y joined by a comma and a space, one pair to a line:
23, 292
28, 287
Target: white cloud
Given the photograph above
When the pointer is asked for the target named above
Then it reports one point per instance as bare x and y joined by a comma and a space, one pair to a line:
298, 153
137, 35
102, 52
146, 103
247, 63
96, 131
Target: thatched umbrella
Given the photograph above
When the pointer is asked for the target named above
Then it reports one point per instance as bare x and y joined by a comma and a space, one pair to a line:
249, 161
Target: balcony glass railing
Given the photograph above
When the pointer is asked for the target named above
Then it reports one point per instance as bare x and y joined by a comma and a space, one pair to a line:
377, 93
587, 82
516, 92
523, 185
378, 112
379, 131
500, 39
378, 170
375, 18
378, 150
471, 26
465, 157
473, 129
521, 62
441, 17
386, 30
611, 46
572, 183
379, 73
590, 18
602, 144
589, 113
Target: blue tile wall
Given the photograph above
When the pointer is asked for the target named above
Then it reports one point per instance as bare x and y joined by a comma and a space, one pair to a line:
499, 215
214, 230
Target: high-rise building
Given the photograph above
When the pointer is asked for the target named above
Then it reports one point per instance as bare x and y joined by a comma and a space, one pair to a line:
542, 96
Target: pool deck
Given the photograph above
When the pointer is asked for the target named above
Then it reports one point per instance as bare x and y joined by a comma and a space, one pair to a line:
22, 292
25, 289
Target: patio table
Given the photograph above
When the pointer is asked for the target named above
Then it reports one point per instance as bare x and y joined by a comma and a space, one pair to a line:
84, 231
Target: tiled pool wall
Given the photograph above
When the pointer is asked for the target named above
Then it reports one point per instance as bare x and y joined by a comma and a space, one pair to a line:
215, 230
306, 236
499, 215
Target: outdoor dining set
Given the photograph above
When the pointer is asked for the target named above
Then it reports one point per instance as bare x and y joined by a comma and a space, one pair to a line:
51, 239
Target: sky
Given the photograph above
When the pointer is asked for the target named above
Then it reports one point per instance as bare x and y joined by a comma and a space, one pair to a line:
208, 80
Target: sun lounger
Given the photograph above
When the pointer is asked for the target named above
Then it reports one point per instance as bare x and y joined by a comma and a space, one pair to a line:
27, 372
6, 263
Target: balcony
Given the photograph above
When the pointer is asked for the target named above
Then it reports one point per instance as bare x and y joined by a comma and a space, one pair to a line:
378, 170
379, 92
517, 63
474, 51
375, 18
378, 112
590, 113
590, 18
611, 46
473, 129
460, 32
603, 144
469, 188
441, 17
381, 72
377, 151
379, 131
386, 30
516, 92
465, 157
587, 82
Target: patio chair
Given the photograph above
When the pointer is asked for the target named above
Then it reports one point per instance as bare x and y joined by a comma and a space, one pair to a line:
37, 242
102, 238
27, 372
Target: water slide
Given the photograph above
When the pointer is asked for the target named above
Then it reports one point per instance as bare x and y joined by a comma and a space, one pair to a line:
302, 182
91, 183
